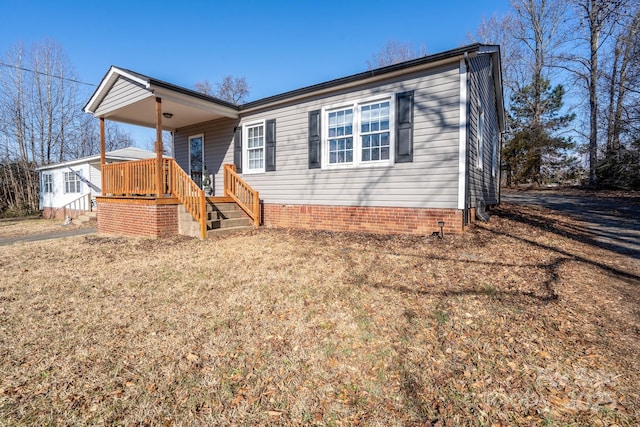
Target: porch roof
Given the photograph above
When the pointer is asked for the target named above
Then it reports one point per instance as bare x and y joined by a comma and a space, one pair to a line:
129, 97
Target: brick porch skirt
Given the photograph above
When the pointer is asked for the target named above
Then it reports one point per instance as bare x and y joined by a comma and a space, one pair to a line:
137, 217
58, 213
384, 220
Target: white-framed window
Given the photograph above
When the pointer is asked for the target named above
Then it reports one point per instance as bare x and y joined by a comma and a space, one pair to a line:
340, 136
253, 147
72, 183
47, 183
480, 139
359, 133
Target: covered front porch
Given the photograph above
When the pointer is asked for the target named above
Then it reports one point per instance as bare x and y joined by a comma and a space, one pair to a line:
144, 197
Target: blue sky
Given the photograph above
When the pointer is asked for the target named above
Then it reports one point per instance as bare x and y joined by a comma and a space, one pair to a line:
276, 45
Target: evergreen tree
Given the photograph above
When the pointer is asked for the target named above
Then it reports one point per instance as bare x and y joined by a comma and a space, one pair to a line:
536, 151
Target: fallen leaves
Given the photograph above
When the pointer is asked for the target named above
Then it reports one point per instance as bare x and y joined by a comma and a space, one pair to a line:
507, 324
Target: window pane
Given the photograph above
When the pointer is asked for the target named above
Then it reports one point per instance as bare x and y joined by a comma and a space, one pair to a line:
349, 116
340, 140
375, 124
366, 141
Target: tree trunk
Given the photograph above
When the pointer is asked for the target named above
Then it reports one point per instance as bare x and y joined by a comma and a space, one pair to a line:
594, 33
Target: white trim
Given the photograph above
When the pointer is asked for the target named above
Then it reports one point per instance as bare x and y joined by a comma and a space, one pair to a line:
109, 80
357, 144
245, 146
462, 137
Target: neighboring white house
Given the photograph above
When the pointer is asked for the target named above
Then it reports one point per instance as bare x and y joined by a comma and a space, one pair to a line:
68, 188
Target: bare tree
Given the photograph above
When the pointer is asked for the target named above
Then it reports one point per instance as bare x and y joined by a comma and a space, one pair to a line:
598, 19
394, 52
204, 87
622, 78
41, 120
230, 89
499, 31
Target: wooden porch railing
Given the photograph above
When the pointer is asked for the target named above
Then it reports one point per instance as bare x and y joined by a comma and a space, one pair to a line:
134, 178
138, 178
242, 193
190, 195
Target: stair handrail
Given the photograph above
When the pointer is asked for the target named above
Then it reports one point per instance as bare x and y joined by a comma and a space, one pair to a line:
191, 196
246, 197
77, 205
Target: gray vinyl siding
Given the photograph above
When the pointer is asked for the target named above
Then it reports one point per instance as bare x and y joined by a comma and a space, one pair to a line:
125, 91
218, 148
483, 182
430, 181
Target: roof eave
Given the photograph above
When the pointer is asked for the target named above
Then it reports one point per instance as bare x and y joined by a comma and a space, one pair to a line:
425, 62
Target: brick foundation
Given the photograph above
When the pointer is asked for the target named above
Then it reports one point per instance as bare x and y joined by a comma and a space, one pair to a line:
58, 213
129, 217
384, 220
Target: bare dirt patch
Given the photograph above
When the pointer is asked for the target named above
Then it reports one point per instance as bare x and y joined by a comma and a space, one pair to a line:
513, 323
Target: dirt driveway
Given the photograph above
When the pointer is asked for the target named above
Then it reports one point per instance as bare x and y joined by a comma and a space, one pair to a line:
609, 220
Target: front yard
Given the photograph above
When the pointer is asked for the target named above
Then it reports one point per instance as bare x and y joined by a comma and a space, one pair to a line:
509, 324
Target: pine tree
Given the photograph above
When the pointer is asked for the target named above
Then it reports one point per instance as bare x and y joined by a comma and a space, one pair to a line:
536, 151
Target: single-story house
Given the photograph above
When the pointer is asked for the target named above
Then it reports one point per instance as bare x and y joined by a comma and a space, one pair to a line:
398, 149
70, 188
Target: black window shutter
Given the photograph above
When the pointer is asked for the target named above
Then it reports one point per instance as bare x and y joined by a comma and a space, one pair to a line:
237, 149
315, 140
270, 146
404, 127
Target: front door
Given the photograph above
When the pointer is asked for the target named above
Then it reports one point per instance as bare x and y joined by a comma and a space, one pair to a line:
196, 158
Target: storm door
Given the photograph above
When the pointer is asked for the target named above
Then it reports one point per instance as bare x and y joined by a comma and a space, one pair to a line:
196, 158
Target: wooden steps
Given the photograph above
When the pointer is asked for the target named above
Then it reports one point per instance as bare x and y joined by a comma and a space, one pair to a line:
222, 219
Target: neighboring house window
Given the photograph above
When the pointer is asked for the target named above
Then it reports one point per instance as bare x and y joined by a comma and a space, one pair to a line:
47, 183
71, 182
480, 139
254, 147
359, 134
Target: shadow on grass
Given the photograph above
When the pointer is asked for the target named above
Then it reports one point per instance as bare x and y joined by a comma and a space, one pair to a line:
598, 228
545, 292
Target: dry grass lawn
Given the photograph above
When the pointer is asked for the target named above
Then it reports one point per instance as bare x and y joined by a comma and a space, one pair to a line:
509, 324
14, 227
